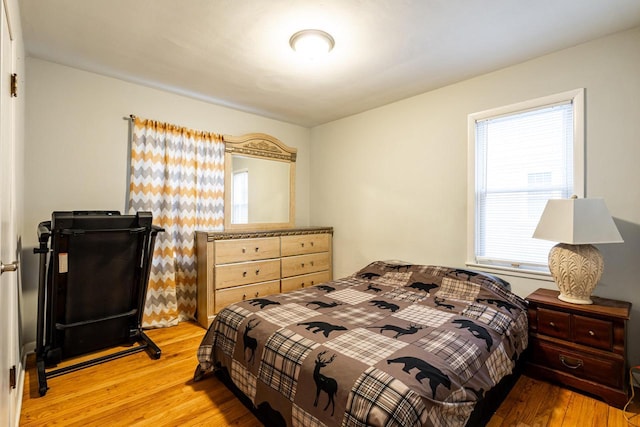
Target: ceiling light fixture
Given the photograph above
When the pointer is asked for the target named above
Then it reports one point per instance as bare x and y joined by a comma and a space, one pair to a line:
312, 43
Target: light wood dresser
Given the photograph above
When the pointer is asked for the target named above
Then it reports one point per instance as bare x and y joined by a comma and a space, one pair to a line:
234, 266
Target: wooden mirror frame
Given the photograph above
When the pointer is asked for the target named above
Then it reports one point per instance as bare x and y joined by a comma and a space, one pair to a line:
261, 146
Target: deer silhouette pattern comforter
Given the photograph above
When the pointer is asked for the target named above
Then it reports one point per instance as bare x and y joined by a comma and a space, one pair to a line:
392, 345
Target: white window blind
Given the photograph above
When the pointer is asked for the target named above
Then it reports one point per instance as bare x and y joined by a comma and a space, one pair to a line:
523, 157
240, 197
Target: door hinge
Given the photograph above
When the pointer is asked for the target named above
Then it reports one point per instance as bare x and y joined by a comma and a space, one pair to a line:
14, 85
12, 377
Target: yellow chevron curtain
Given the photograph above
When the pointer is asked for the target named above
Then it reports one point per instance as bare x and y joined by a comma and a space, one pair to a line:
178, 174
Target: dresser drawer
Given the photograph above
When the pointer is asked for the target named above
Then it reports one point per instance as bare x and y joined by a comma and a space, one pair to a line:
228, 296
554, 323
305, 244
592, 332
604, 370
228, 251
304, 281
304, 264
243, 273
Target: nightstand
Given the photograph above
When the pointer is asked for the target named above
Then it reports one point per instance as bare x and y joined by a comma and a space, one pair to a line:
581, 346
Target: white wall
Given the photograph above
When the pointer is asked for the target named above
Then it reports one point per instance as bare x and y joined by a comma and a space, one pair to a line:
77, 147
392, 181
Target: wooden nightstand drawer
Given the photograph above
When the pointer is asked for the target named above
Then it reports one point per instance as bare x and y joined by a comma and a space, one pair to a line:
554, 323
593, 332
604, 370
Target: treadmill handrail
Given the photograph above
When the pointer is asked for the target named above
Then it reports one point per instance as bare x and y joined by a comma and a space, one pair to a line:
73, 231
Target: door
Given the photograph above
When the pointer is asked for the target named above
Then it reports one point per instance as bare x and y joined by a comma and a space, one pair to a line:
9, 330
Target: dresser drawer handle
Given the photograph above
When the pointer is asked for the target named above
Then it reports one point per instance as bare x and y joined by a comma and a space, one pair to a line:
577, 365
591, 333
553, 325
302, 285
257, 249
313, 282
244, 274
244, 297
257, 294
302, 264
257, 272
244, 250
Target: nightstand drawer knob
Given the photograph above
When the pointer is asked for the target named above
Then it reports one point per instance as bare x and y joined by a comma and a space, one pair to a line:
553, 325
591, 333
565, 362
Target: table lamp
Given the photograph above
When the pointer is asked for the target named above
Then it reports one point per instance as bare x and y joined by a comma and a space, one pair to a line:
575, 264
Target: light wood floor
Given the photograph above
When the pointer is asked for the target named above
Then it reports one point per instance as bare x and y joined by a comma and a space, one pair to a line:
136, 390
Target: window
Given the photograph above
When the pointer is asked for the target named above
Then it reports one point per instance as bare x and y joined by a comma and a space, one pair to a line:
520, 156
240, 197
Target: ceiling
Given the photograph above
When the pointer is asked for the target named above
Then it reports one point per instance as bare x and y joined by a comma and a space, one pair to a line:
235, 53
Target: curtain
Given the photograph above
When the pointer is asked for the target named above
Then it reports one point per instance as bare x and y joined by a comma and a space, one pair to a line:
178, 175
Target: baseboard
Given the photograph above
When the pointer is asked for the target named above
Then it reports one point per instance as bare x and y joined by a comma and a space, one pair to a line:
29, 348
20, 387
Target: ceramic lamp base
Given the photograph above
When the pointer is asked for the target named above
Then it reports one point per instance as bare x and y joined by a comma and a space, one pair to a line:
576, 269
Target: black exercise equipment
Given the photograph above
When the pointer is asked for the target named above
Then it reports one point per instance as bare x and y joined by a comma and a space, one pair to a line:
92, 288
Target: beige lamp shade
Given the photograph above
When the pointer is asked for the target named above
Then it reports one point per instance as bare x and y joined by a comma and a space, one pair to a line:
577, 221
575, 264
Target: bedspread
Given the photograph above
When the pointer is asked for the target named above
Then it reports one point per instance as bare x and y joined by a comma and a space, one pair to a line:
392, 345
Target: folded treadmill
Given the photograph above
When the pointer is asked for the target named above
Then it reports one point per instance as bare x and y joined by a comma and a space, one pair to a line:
94, 271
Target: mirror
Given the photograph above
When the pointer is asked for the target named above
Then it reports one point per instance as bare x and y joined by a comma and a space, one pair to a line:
259, 189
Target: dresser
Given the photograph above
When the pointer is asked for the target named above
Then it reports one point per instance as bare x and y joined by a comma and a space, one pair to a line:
582, 346
234, 266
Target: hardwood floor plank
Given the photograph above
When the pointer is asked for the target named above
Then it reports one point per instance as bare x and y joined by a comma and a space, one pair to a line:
548, 403
616, 417
93, 384
600, 413
495, 421
527, 402
560, 407
516, 394
138, 391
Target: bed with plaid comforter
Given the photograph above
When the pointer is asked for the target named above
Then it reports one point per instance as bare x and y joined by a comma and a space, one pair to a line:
392, 345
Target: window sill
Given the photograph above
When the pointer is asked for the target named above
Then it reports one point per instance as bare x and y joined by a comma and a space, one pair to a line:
512, 272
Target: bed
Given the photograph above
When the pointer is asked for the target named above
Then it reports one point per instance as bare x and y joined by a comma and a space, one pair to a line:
393, 344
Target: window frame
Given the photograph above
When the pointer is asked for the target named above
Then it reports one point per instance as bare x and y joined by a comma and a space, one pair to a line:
577, 98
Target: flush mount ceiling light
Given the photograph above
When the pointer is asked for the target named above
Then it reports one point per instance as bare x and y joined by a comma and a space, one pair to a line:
312, 43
